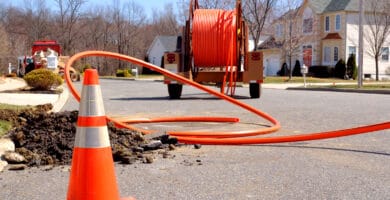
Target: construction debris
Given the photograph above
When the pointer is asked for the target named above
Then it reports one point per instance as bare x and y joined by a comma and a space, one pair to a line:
43, 139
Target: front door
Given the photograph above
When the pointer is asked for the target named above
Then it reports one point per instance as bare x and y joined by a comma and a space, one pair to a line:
307, 55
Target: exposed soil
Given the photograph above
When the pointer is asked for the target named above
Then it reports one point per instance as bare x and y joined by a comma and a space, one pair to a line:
47, 138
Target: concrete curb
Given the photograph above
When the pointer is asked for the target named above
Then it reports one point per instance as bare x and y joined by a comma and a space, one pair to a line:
132, 79
61, 101
342, 90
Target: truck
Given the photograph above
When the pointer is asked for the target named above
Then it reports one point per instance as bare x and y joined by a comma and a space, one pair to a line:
45, 54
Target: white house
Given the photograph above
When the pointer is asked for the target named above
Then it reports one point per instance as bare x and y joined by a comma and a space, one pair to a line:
327, 32
159, 46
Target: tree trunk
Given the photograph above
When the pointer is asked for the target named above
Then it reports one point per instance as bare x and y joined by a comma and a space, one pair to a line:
290, 68
377, 68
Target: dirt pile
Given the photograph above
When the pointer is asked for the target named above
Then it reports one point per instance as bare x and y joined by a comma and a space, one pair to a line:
47, 138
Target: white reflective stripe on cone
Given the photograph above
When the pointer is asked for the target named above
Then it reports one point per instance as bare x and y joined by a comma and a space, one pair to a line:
92, 137
91, 103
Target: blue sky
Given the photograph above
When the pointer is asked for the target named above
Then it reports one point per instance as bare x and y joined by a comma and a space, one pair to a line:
148, 5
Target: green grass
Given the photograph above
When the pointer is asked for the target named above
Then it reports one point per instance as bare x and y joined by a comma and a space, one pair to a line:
284, 79
5, 126
384, 86
150, 76
13, 107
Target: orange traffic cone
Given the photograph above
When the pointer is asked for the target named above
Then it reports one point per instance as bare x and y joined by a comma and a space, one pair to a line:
92, 173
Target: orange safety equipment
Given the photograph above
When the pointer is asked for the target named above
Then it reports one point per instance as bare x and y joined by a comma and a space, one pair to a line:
92, 174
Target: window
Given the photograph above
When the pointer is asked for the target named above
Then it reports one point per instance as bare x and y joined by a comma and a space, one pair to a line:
327, 24
338, 22
279, 30
308, 25
352, 50
385, 53
327, 55
336, 54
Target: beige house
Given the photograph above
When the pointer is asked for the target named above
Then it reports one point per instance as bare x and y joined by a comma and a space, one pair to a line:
320, 33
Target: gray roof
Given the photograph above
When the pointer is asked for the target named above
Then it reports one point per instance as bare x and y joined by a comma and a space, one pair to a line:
270, 43
169, 42
323, 6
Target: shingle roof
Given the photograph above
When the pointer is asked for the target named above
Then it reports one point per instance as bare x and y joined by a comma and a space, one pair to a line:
169, 42
270, 43
319, 6
332, 36
323, 6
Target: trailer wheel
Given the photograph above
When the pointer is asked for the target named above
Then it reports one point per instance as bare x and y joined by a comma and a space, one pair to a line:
174, 91
255, 90
74, 77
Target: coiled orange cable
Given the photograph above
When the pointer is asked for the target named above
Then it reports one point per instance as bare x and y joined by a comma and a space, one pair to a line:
220, 138
214, 42
214, 38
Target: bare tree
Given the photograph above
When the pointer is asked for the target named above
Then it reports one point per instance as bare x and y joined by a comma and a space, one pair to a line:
292, 32
256, 13
69, 12
135, 19
165, 22
378, 31
4, 49
4, 41
292, 40
13, 22
183, 10
36, 19
217, 4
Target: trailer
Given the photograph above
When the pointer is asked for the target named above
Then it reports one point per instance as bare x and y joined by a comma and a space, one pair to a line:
214, 50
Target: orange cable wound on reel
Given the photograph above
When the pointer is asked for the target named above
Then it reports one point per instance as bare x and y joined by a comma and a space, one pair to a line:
214, 38
214, 42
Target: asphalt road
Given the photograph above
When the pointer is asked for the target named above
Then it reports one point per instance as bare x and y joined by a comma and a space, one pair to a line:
355, 167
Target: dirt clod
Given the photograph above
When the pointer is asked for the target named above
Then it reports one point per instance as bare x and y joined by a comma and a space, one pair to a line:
149, 159
13, 157
48, 138
16, 167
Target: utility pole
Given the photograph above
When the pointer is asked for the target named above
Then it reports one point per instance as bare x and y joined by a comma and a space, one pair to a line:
360, 62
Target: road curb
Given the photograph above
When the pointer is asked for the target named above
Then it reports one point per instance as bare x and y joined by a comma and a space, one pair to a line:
61, 101
385, 92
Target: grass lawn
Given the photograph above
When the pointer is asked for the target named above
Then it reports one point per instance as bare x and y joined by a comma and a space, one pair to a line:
284, 79
5, 126
13, 107
384, 86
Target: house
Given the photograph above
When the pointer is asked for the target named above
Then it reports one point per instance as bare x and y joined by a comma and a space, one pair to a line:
251, 42
320, 33
159, 46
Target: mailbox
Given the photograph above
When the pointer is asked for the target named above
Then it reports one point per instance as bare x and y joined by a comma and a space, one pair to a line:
304, 69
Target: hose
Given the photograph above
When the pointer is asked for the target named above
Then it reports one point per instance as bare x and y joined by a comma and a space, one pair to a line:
220, 138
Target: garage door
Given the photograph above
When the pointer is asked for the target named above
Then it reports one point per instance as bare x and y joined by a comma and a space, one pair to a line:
272, 64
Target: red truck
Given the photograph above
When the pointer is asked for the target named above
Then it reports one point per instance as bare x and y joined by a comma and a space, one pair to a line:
45, 54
